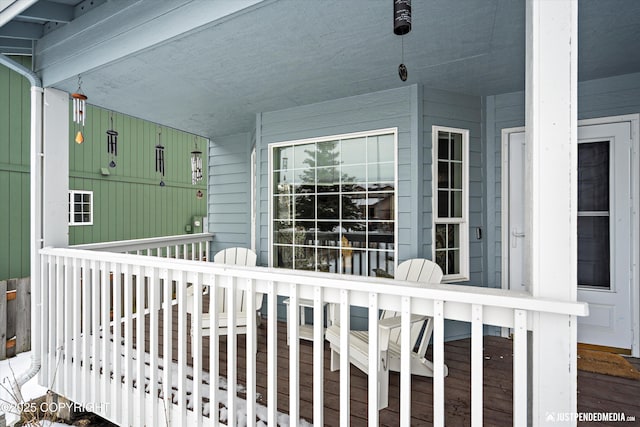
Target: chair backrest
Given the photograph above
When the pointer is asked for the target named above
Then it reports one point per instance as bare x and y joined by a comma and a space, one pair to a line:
236, 256
422, 271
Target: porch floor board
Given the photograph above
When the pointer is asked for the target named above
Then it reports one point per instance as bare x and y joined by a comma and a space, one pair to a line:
596, 392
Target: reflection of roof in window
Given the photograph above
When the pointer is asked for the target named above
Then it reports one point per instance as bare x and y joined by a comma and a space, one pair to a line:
368, 202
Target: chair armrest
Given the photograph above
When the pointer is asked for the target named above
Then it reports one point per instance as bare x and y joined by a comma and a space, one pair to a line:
387, 324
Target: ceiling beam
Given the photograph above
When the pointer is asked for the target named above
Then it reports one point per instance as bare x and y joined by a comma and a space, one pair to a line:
11, 9
21, 30
20, 43
120, 28
48, 11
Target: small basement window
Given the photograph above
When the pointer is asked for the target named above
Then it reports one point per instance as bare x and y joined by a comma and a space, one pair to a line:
80, 207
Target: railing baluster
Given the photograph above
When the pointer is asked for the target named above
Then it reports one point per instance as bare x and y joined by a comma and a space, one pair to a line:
140, 343
77, 321
167, 343
405, 362
438, 363
214, 351
128, 344
105, 337
182, 347
520, 368
69, 307
318, 356
232, 350
59, 372
95, 333
196, 346
47, 276
154, 306
272, 355
86, 329
294, 353
116, 394
477, 360
374, 359
251, 349
345, 326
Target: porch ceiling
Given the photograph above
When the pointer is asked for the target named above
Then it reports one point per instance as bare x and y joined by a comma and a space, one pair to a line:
212, 77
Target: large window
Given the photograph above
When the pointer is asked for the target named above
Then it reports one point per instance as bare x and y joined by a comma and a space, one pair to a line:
333, 203
80, 207
450, 208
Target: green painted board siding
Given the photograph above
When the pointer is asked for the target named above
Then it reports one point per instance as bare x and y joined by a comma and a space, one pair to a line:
128, 203
14, 172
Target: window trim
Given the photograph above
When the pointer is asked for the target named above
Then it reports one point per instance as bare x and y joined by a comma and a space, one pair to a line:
464, 221
271, 148
71, 208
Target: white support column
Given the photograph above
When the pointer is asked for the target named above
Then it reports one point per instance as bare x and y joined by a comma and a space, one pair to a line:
551, 198
55, 170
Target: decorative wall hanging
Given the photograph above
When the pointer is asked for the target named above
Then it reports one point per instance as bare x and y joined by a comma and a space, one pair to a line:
79, 110
160, 160
112, 144
402, 26
196, 165
199, 194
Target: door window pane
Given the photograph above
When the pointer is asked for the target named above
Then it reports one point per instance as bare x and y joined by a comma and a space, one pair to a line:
593, 176
594, 263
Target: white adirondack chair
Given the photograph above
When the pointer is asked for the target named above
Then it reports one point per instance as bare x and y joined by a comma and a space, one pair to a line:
421, 271
230, 256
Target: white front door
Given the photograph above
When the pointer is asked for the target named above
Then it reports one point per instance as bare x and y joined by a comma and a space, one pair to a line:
605, 229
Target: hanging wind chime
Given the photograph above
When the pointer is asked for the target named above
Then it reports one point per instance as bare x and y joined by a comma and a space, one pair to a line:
160, 160
79, 110
196, 165
402, 26
112, 144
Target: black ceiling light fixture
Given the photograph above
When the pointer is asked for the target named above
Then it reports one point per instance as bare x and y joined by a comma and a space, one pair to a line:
402, 26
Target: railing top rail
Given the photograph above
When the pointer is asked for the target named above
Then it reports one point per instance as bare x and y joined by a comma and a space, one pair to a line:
148, 243
457, 293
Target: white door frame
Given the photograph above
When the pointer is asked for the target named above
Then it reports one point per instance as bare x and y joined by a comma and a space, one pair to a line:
634, 120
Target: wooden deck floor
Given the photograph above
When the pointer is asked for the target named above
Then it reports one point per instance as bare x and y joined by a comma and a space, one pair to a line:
596, 393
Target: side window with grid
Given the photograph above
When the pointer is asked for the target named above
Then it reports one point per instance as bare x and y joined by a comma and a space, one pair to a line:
450, 204
80, 207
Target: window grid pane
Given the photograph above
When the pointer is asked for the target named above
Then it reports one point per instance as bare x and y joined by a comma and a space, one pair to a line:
339, 216
450, 192
80, 208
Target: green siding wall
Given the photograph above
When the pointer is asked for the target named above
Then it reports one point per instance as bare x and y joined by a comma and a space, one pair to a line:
128, 203
14, 172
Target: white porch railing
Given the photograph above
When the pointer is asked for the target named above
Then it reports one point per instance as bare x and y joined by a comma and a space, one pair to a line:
91, 305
